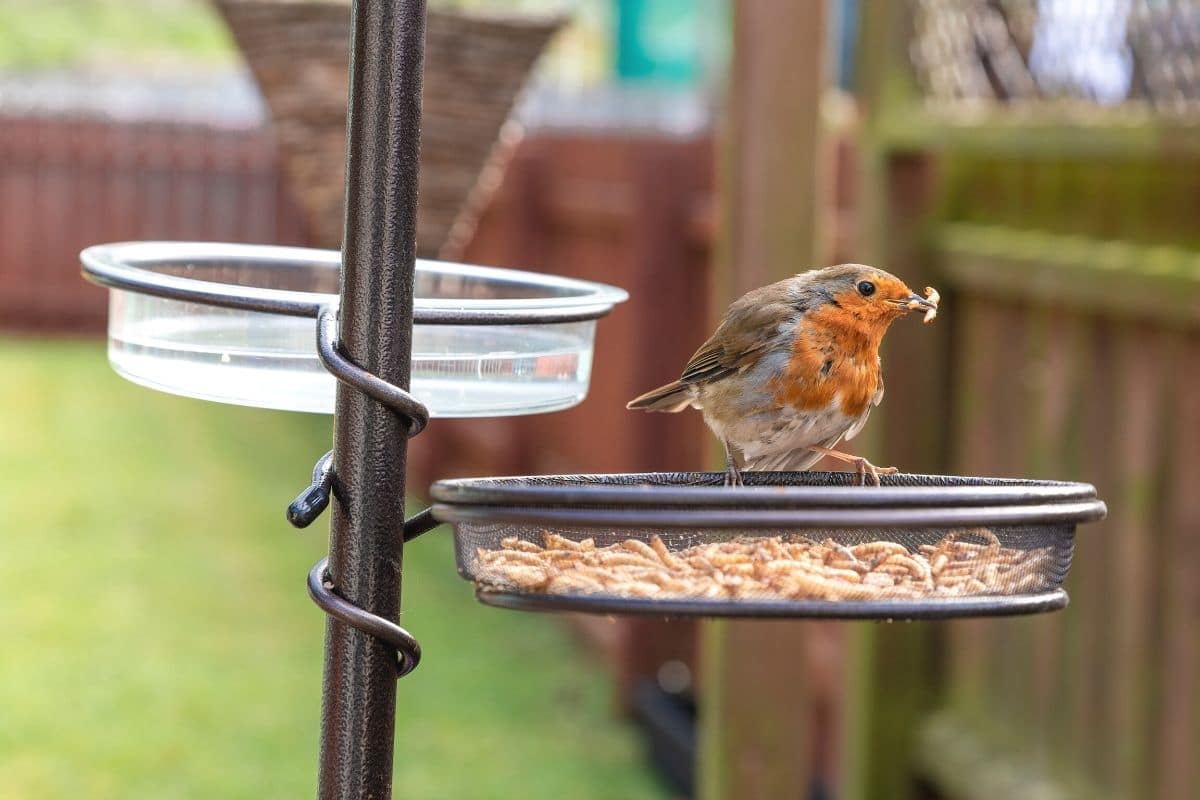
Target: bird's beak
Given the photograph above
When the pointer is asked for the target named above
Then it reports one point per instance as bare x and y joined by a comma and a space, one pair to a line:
914, 302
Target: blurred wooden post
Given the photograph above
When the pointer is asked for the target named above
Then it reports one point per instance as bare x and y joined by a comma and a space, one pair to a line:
891, 670
756, 731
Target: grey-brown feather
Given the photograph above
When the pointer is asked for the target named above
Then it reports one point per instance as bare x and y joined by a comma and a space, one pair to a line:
675, 396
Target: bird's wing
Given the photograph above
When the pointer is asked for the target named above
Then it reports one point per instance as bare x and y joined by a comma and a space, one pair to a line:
749, 329
709, 363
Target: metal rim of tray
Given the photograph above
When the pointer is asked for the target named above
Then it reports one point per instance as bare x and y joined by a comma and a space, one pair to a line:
761, 487
128, 266
764, 489
884, 610
695, 499
1044, 514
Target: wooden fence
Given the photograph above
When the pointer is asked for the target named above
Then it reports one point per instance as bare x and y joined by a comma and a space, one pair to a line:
66, 183
1069, 348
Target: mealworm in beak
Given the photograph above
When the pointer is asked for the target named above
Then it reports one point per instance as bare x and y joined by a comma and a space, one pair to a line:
931, 294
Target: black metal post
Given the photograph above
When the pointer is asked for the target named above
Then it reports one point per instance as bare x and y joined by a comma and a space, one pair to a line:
370, 440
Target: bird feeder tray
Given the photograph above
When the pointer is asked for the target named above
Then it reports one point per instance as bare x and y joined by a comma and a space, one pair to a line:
234, 323
787, 544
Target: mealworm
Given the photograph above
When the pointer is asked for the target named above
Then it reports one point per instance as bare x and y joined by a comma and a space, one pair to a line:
875, 549
640, 548
916, 567
513, 543
664, 555
522, 557
931, 294
556, 542
524, 577
572, 582
625, 559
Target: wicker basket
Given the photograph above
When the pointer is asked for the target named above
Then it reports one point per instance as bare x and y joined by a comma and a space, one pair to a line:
475, 67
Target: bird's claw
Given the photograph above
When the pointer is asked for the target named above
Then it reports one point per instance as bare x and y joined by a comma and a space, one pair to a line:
733, 477
865, 468
861, 465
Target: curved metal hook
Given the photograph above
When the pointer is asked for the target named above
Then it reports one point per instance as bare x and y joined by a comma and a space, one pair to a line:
345, 370
323, 592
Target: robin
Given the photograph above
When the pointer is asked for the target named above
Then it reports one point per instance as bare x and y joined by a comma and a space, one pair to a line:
794, 368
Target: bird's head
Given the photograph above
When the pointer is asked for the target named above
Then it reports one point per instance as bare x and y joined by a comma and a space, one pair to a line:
862, 296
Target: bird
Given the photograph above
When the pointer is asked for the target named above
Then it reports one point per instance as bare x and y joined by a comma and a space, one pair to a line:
793, 369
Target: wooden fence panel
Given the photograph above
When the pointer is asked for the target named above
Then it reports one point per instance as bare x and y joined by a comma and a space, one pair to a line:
66, 183
1100, 700
1108, 731
1088, 700
1179, 666
1066, 248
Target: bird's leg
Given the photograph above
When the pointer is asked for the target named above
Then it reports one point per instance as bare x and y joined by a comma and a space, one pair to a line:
733, 475
861, 465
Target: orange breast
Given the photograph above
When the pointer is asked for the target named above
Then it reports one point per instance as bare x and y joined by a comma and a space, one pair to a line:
829, 362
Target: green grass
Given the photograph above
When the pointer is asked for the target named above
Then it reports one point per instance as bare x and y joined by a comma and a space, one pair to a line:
158, 641
38, 34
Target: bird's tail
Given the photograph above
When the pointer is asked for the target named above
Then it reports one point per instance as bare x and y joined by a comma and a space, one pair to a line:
675, 396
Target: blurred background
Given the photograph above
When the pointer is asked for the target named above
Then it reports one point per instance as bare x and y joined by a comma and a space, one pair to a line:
1036, 160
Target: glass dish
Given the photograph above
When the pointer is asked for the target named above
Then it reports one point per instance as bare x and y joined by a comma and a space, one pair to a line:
235, 323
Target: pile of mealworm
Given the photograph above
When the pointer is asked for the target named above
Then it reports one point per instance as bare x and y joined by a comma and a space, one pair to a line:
966, 562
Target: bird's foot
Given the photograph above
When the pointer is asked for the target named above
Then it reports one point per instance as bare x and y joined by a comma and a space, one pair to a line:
863, 467
733, 476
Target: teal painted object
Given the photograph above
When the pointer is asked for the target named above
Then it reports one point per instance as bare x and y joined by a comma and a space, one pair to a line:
662, 41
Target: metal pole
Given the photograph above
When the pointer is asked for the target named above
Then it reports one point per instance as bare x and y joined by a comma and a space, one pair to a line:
370, 441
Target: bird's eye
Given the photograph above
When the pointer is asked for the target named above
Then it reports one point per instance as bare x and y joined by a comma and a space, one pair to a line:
866, 288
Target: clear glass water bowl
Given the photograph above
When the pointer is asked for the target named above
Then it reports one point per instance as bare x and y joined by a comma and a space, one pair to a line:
236, 324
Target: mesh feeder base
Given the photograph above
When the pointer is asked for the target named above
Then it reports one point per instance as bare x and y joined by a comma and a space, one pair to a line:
789, 544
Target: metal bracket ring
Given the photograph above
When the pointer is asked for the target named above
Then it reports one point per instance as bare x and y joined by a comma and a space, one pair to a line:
323, 592
346, 371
